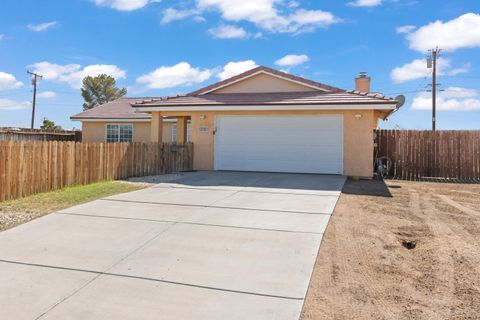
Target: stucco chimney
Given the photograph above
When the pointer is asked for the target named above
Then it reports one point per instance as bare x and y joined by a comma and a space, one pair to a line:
362, 83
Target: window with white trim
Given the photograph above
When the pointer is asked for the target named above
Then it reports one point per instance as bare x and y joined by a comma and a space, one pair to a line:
119, 133
174, 132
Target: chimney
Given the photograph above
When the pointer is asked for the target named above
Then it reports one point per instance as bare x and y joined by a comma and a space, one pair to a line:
362, 83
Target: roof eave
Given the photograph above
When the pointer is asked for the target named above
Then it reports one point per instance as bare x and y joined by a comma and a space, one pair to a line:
387, 105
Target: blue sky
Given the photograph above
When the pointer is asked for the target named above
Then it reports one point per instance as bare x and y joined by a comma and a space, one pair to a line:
157, 48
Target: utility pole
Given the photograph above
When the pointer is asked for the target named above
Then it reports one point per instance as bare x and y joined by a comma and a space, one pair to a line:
432, 63
34, 83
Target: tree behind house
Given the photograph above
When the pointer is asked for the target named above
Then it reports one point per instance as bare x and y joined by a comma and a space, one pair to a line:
49, 125
99, 90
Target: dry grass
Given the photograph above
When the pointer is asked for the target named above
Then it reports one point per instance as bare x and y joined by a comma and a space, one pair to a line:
364, 272
15, 212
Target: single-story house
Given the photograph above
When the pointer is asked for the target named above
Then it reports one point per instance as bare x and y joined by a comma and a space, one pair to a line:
260, 120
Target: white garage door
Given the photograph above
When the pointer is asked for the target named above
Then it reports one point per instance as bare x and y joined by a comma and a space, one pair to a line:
305, 144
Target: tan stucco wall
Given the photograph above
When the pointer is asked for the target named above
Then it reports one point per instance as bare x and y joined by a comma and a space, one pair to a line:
357, 135
263, 83
96, 131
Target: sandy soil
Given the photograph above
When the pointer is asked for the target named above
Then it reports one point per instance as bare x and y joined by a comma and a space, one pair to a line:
364, 272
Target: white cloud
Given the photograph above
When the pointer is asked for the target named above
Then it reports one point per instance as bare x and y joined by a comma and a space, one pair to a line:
42, 26
73, 74
199, 19
251, 10
292, 60
52, 71
75, 79
414, 70
171, 14
181, 74
8, 104
123, 5
234, 68
271, 15
1, 37
452, 99
459, 92
8, 81
365, 3
307, 20
405, 29
47, 95
417, 69
224, 31
461, 32
293, 4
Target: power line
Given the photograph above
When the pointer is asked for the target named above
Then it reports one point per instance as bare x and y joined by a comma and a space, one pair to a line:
17, 92
404, 92
458, 76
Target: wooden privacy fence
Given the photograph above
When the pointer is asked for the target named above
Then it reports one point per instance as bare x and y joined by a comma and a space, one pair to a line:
31, 167
431, 154
16, 134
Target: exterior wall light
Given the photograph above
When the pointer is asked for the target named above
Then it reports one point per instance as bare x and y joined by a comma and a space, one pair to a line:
203, 117
358, 116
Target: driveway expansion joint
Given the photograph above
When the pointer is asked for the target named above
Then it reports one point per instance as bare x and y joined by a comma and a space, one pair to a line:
216, 207
249, 191
185, 222
101, 273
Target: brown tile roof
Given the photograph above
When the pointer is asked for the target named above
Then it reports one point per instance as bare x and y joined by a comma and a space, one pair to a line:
117, 109
280, 98
253, 71
327, 95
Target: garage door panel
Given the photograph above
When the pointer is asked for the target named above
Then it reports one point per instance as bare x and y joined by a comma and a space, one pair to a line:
281, 166
306, 144
298, 144
282, 155
258, 148
278, 162
270, 139
280, 127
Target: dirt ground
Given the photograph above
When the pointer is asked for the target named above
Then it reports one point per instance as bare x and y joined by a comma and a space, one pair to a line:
364, 272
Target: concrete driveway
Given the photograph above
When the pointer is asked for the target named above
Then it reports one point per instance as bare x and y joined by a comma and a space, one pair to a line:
210, 245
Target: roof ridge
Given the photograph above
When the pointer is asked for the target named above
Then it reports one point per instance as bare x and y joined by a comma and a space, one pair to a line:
270, 93
133, 98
